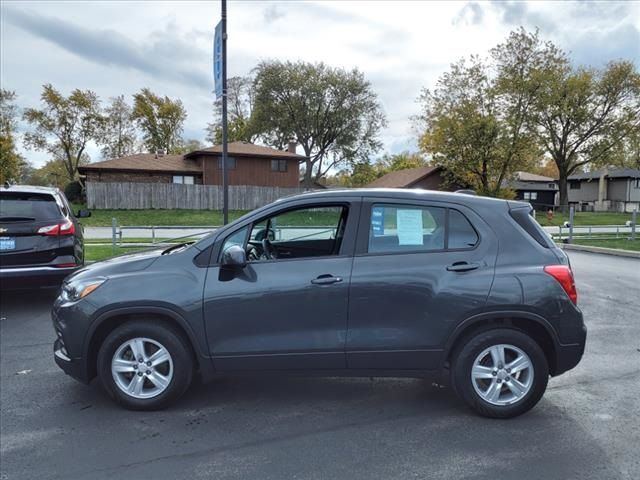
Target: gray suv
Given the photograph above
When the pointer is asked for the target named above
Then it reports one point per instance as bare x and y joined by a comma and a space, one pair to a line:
455, 288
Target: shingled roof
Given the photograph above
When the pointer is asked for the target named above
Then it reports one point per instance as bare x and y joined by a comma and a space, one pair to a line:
151, 162
145, 162
610, 173
403, 178
246, 149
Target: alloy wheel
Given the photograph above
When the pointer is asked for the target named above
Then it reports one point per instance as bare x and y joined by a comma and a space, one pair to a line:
502, 374
142, 368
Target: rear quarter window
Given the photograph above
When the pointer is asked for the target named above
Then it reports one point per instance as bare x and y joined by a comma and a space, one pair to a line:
21, 206
523, 217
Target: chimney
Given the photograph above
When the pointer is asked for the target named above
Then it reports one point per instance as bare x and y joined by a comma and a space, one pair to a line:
292, 146
602, 185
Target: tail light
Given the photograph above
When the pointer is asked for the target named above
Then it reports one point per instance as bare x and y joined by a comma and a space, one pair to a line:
564, 276
66, 228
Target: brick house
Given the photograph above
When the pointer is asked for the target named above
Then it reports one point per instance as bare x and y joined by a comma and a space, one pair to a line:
249, 164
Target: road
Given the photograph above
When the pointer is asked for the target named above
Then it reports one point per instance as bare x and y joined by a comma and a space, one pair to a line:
586, 427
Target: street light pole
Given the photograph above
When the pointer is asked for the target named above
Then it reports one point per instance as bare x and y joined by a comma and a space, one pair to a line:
225, 170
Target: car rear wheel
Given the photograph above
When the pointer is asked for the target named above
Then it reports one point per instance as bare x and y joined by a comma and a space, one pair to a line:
500, 373
145, 365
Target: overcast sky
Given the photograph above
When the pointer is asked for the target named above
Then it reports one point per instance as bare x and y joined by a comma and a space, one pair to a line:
118, 47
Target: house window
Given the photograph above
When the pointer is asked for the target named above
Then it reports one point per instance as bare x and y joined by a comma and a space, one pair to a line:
574, 185
552, 186
231, 163
185, 179
530, 195
637, 182
278, 165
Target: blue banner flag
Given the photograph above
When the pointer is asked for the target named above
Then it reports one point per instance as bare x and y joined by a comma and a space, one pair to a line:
217, 60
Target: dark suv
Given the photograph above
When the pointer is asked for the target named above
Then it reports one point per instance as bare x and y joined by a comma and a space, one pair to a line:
451, 287
40, 238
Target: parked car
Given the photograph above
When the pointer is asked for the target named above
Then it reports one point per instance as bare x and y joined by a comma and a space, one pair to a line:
40, 237
451, 287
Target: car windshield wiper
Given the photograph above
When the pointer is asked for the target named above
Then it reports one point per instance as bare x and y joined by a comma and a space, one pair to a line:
175, 247
17, 219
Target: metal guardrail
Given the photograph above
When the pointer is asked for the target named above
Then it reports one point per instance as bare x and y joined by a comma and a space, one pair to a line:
602, 232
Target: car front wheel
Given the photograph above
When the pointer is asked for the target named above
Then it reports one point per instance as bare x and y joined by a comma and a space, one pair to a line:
500, 373
145, 365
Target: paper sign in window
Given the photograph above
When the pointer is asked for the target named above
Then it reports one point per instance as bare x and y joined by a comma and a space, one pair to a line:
409, 223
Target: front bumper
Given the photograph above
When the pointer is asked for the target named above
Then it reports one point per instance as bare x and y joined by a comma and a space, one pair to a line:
31, 277
75, 368
70, 323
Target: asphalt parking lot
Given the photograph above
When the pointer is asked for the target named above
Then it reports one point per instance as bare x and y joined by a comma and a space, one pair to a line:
586, 426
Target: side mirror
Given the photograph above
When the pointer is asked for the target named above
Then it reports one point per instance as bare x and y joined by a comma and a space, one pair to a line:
234, 256
83, 213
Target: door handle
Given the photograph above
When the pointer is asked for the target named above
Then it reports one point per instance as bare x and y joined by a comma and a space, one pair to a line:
462, 266
326, 280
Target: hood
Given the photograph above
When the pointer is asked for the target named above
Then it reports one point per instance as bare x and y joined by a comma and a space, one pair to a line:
121, 264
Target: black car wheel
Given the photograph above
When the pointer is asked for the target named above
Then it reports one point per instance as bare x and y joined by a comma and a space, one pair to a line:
145, 365
500, 373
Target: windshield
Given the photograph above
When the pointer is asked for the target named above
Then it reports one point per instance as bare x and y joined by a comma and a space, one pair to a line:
23, 206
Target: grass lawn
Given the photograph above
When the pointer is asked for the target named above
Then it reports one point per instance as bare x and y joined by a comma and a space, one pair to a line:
102, 218
584, 218
619, 243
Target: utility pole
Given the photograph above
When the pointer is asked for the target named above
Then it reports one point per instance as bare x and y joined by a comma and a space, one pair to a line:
225, 169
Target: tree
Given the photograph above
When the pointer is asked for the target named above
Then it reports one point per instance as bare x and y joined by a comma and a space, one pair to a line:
53, 172
160, 119
547, 168
190, 145
583, 115
332, 113
10, 160
64, 126
474, 127
626, 154
240, 99
400, 161
118, 135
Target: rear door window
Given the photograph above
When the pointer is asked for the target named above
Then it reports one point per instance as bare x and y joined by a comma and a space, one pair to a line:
398, 228
21, 206
403, 228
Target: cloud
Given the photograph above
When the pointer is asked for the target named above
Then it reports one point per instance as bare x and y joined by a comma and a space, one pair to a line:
597, 47
272, 13
517, 13
108, 47
471, 14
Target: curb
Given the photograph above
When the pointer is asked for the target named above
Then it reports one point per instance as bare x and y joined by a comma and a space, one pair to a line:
605, 251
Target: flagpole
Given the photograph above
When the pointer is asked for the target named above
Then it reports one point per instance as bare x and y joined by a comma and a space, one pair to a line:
225, 170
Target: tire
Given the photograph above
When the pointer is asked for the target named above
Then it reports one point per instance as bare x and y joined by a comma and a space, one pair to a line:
505, 394
157, 385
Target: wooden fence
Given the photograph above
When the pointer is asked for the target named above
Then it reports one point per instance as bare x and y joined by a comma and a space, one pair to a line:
138, 196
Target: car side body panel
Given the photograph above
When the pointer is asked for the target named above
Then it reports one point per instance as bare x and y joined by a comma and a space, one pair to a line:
403, 306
